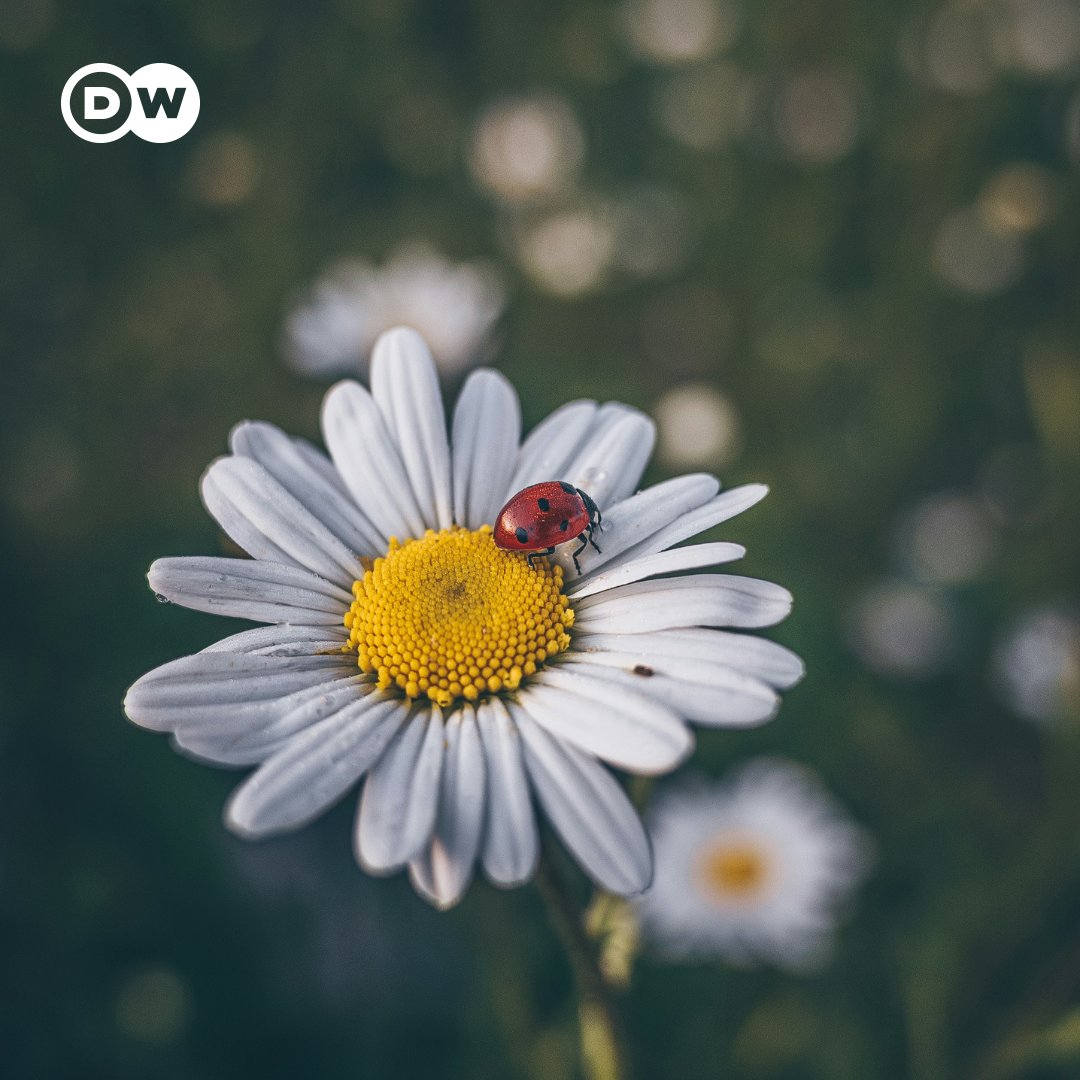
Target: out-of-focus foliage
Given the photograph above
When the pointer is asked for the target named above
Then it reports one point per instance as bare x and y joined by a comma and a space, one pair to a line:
850, 228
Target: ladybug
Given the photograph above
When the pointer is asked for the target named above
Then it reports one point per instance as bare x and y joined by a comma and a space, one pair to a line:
542, 515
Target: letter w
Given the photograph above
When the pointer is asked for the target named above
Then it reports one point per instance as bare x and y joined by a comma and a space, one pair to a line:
162, 100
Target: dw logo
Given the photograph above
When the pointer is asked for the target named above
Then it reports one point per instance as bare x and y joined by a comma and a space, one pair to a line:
101, 102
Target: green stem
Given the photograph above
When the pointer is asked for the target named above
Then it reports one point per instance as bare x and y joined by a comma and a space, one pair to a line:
603, 1050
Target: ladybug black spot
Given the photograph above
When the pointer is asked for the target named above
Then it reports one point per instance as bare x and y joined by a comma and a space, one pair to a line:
564, 526
568, 488
544, 505
522, 535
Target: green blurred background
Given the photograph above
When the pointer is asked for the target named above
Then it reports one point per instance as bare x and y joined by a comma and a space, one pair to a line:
857, 223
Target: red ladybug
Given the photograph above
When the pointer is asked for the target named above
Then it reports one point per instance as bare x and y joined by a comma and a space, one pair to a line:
542, 515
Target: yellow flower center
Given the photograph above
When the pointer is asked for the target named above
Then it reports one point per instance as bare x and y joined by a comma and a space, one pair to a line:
452, 616
733, 869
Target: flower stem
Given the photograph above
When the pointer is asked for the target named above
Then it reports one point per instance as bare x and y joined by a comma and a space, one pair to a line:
603, 1050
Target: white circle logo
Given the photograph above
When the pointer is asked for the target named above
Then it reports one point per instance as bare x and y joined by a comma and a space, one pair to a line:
102, 103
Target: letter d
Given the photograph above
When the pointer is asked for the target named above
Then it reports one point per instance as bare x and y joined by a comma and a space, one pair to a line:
92, 95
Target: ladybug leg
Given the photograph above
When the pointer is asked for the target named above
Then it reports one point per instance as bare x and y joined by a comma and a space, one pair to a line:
589, 537
536, 555
584, 538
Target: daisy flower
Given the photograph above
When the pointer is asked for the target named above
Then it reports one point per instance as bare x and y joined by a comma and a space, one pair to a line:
454, 305
751, 868
458, 679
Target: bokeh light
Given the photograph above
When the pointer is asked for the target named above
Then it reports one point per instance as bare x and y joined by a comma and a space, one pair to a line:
902, 630
1037, 666
697, 427
526, 148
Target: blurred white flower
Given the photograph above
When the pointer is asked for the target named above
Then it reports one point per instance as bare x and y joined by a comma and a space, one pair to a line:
453, 305
526, 148
1037, 666
753, 868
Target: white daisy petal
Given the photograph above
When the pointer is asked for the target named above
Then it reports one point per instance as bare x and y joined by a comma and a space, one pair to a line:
401, 796
487, 428
282, 640
208, 686
310, 478
608, 466
588, 809
246, 494
663, 562
719, 509
511, 841
253, 737
550, 446
692, 600
616, 724
405, 386
315, 768
696, 690
366, 456
443, 872
249, 589
629, 522
763, 659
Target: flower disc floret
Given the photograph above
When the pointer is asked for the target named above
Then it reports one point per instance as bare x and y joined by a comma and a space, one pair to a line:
450, 616
733, 869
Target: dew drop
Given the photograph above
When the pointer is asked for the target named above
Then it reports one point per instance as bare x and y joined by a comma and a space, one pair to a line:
161, 598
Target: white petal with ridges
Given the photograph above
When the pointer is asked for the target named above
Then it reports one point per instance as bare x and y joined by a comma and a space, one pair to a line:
405, 386
315, 769
259, 732
619, 725
249, 589
366, 456
310, 477
549, 448
608, 466
588, 809
692, 600
238, 489
487, 428
774, 664
727, 505
663, 562
696, 690
443, 872
511, 845
400, 799
281, 640
223, 687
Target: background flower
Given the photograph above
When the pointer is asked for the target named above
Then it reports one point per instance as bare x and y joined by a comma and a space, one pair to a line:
454, 306
753, 868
